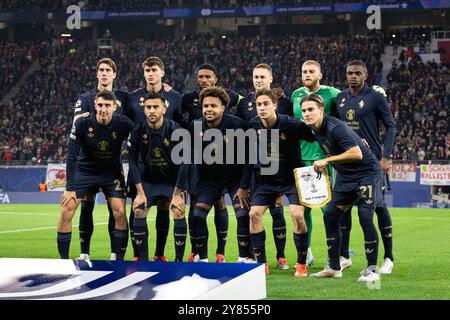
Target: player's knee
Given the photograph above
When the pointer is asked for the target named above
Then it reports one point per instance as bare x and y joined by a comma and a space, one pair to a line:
279, 202
332, 214
365, 215
178, 214
200, 212
255, 216
220, 204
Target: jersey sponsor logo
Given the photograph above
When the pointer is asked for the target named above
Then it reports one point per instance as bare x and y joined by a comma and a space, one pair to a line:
361, 104
350, 114
103, 145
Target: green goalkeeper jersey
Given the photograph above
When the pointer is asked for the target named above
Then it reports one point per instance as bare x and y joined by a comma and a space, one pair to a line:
313, 151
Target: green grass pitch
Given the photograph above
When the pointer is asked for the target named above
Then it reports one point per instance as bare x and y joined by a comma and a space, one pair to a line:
421, 251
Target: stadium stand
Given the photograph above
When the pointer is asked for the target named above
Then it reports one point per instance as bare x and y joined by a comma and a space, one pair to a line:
35, 124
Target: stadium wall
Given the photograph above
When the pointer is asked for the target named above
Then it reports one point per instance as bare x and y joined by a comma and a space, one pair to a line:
21, 185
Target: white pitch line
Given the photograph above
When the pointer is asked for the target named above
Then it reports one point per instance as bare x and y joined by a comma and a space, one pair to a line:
44, 228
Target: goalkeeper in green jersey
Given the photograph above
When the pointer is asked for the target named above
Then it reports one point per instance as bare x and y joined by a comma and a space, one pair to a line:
310, 152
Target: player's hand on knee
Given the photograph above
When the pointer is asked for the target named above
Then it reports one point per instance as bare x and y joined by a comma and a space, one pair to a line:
66, 197
140, 202
244, 198
177, 203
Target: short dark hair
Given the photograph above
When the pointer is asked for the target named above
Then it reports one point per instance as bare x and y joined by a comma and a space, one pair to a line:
215, 92
107, 95
263, 66
107, 61
357, 63
313, 97
154, 95
151, 61
207, 66
267, 92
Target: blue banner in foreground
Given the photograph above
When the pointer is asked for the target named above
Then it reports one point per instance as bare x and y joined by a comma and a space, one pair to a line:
57, 279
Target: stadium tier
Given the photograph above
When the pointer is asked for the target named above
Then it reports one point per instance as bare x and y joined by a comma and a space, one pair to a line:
37, 119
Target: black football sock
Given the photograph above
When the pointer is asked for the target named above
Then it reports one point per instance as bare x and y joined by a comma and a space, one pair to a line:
221, 222
179, 234
385, 227
111, 227
301, 244
131, 224
279, 230
162, 230
141, 237
120, 243
243, 232
86, 227
201, 231
370, 234
259, 245
346, 227
63, 240
192, 238
331, 219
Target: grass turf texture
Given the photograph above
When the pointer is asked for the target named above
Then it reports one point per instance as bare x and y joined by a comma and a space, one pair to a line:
421, 251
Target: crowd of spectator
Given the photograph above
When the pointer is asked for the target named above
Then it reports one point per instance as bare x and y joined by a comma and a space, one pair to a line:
420, 99
34, 127
14, 61
234, 57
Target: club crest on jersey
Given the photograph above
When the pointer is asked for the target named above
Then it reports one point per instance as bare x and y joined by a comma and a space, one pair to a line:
361, 104
114, 135
350, 114
342, 102
78, 103
195, 102
283, 137
250, 106
90, 132
103, 145
118, 104
167, 104
166, 142
144, 138
141, 101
